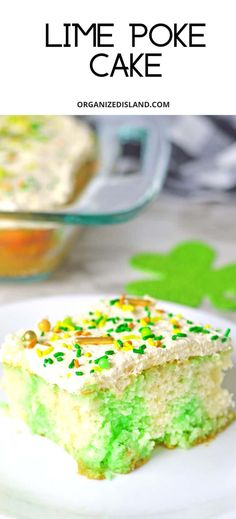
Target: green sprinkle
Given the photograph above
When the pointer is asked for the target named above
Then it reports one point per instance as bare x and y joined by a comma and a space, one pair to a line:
64, 328
78, 352
79, 373
103, 362
113, 301
120, 343
42, 334
71, 365
197, 329
170, 315
128, 320
145, 329
91, 327
110, 330
68, 321
100, 358
100, 319
122, 328
163, 346
113, 319
226, 334
78, 328
224, 339
140, 350
214, 337
47, 361
189, 322
158, 337
146, 333
109, 352
60, 359
92, 371
59, 354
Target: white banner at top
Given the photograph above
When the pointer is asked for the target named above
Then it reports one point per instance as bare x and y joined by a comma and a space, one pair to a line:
104, 57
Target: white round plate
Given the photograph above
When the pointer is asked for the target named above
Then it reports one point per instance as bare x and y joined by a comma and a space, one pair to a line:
39, 480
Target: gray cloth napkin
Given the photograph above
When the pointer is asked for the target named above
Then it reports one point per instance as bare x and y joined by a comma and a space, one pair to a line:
203, 157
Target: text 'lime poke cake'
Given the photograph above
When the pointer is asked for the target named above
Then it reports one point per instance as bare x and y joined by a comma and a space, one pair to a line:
112, 384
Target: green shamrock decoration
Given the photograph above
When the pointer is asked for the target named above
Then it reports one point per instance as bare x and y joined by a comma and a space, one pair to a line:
186, 275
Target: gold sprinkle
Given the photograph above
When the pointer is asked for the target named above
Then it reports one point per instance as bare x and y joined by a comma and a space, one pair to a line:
67, 346
127, 308
97, 368
47, 351
54, 337
127, 346
95, 340
146, 320
102, 323
130, 337
29, 339
174, 322
44, 325
139, 302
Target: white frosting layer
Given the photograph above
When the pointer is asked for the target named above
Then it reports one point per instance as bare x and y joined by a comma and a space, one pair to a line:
125, 362
39, 159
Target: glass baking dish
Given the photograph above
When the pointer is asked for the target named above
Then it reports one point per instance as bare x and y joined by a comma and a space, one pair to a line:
131, 168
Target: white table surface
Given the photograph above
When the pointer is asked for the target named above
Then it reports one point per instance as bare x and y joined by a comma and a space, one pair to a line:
99, 262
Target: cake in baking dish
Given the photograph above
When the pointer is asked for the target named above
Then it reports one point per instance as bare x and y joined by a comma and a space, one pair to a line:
45, 164
44, 161
118, 380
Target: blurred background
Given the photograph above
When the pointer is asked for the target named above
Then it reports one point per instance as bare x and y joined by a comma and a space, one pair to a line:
152, 193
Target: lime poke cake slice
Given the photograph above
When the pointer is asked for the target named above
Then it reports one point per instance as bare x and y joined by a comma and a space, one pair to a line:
112, 384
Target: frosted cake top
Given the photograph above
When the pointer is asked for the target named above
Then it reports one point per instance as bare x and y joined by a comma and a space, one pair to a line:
110, 344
